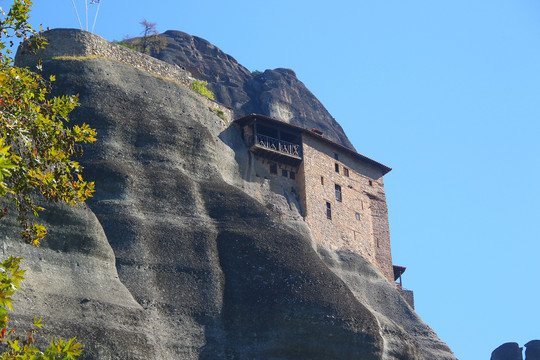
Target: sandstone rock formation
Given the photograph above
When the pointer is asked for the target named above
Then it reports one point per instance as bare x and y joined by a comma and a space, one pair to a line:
276, 93
532, 350
178, 256
507, 351
512, 351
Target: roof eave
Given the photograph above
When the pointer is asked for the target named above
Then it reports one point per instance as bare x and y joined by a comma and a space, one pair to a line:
247, 118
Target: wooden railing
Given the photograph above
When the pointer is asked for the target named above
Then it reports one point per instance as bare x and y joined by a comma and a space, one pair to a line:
278, 145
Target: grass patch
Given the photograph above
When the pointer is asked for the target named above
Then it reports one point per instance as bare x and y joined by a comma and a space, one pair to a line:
124, 44
221, 114
76, 58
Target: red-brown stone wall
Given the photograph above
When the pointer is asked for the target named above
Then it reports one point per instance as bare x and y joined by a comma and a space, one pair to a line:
360, 221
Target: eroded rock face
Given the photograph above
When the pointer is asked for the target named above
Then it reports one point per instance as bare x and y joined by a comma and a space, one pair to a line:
276, 93
209, 272
177, 256
405, 334
72, 283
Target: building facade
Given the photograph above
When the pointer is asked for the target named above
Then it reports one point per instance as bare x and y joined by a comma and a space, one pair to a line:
341, 192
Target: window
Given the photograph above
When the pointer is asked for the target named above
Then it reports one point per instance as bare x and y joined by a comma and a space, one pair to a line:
273, 169
284, 173
322, 180
336, 156
346, 172
357, 216
292, 175
338, 192
370, 183
328, 211
337, 167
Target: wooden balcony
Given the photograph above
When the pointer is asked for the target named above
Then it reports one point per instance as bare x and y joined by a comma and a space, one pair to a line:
277, 150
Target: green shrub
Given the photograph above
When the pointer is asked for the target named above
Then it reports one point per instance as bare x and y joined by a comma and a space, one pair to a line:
200, 87
220, 113
125, 44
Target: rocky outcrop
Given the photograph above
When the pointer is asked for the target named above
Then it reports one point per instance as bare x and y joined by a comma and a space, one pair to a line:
507, 351
532, 350
178, 255
512, 351
405, 334
276, 93
72, 283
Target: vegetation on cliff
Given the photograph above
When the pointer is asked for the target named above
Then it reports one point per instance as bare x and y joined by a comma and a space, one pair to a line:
200, 87
151, 42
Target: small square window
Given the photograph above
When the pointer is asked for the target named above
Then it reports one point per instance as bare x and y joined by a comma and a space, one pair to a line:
346, 172
292, 175
338, 192
337, 167
284, 173
322, 180
357, 216
273, 169
370, 183
328, 211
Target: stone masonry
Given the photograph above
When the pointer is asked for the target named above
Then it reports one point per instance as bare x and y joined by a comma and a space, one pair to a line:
358, 213
340, 192
74, 43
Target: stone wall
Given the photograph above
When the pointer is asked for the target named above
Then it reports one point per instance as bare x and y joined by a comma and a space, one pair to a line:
359, 222
74, 43
408, 295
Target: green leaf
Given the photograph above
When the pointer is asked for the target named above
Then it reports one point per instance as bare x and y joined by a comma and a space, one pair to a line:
37, 322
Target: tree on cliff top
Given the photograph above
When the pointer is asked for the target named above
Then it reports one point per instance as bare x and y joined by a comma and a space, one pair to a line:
151, 42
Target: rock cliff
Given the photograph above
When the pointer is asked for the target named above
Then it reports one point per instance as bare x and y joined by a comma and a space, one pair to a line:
276, 93
178, 255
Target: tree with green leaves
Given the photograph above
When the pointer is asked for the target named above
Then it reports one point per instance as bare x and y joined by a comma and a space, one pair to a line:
36, 145
36, 162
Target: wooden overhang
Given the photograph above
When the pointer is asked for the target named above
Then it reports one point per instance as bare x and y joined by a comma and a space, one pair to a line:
276, 155
398, 271
251, 118
273, 146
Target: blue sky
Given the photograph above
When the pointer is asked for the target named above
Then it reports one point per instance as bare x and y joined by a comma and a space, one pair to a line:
445, 93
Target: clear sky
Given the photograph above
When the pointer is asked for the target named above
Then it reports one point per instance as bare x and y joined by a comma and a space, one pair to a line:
444, 92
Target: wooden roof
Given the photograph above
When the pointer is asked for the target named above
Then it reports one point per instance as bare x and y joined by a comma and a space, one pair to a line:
248, 119
398, 271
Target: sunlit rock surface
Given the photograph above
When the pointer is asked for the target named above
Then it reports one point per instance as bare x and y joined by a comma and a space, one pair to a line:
177, 256
276, 93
